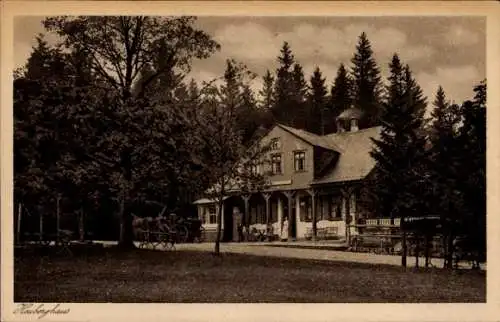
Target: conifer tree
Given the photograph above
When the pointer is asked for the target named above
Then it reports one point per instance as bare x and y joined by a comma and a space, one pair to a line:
340, 99
400, 151
284, 89
298, 108
472, 139
366, 83
267, 91
444, 162
317, 103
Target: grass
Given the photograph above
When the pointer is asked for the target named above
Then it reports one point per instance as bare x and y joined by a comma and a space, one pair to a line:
179, 276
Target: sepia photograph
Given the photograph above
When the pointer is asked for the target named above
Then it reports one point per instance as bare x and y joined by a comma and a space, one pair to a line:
247, 159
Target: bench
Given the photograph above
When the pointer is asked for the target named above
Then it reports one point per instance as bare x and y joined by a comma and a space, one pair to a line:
383, 243
322, 233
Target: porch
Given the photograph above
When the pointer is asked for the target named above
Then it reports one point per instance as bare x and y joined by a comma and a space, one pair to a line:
291, 215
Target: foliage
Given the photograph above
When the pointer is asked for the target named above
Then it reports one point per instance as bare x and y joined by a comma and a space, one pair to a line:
126, 57
340, 97
317, 104
401, 149
227, 157
366, 80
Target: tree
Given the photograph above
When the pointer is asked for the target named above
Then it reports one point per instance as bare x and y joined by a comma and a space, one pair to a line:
227, 159
472, 170
298, 105
284, 86
340, 98
51, 88
366, 83
317, 104
444, 160
267, 101
267, 92
400, 151
129, 55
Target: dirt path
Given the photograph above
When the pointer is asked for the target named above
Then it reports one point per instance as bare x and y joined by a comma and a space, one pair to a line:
273, 250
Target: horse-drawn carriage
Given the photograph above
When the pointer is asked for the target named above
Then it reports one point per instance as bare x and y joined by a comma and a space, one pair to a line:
166, 231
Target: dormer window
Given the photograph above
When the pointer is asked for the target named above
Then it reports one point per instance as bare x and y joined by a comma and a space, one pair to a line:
354, 125
348, 120
255, 169
275, 144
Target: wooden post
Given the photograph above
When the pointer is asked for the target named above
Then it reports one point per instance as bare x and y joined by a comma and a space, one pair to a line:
19, 216
404, 249
345, 214
417, 250
267, 197
289, 195
312, 192
246, 211
427, 246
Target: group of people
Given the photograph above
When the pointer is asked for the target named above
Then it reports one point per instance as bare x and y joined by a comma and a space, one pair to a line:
244, 234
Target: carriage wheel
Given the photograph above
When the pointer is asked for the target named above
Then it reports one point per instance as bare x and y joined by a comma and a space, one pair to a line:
166, 241
143, 237
182, 234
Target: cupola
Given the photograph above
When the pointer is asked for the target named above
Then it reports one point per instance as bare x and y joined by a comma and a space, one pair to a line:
348, 120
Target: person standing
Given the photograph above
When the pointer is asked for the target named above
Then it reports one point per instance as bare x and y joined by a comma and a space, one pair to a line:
284, 229
239, 225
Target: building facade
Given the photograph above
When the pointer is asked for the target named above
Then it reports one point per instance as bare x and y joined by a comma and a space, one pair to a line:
314, 185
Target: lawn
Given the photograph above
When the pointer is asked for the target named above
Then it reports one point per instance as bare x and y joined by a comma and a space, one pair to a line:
180, 276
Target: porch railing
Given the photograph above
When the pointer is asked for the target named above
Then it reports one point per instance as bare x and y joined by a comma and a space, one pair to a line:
383, 222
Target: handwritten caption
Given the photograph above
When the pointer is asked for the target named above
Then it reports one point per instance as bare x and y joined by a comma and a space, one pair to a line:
41, 310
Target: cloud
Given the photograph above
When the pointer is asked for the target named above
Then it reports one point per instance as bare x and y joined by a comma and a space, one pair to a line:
457, 35
254, 43
247, 41
457, 82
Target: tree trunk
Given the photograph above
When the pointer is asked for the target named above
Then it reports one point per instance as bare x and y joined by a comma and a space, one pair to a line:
126, 232
81, 226
404, 250
219, 227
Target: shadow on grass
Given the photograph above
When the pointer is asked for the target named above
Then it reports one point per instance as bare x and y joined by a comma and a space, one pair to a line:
114, 275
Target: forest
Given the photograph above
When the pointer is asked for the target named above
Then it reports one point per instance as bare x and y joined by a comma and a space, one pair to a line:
107, 123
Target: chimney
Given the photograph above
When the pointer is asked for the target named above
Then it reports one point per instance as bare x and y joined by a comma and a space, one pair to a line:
354, 125
340, 126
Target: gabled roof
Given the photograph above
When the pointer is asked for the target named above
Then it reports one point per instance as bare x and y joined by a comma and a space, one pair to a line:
355, 162
313, 139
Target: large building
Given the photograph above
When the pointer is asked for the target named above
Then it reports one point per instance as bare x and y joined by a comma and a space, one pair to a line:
311, 178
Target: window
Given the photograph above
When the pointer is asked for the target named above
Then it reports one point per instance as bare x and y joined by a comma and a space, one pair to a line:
211, 214
299, 157
275, 144
305, 209
276, 164
335, 208
254, 168
324, 208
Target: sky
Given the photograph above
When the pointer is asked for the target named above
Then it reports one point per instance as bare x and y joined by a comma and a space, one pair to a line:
446, 51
